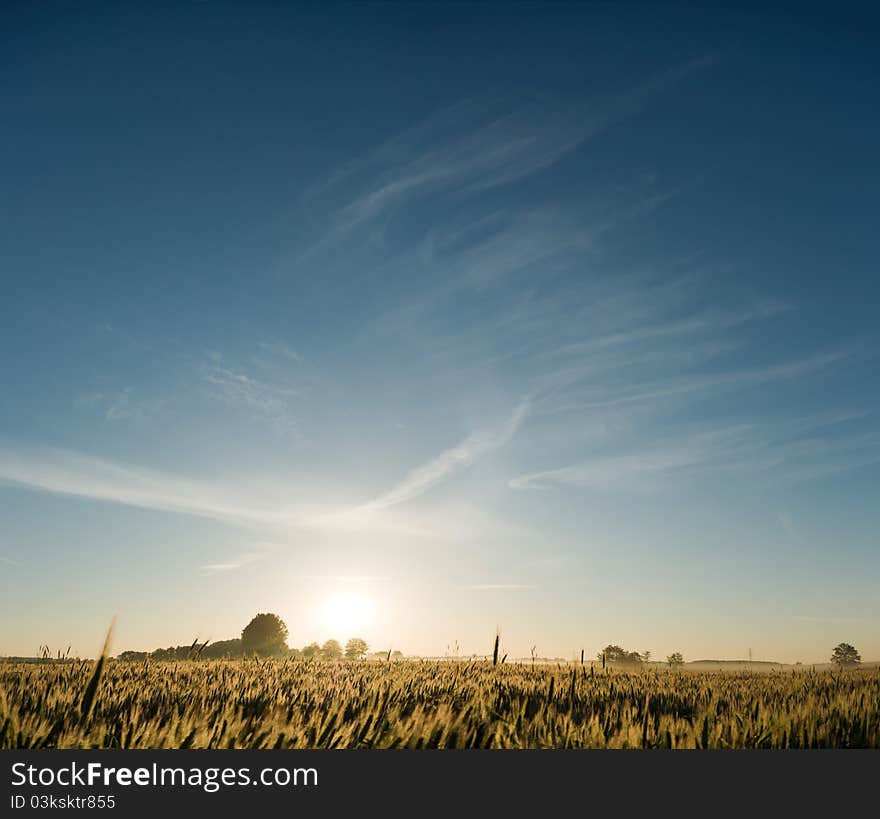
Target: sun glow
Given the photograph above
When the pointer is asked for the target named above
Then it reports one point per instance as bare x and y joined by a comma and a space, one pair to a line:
347, 614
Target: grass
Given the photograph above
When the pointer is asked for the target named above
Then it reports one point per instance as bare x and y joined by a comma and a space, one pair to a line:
428, 704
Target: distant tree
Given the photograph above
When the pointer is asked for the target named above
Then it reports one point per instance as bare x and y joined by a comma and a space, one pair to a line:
396, 655
223, 648
294, 653
675, 659
311, 651
331, 650
616, 654
646, 656
845, 656
611, 653
266, 634
355, 648
132, 656
171, 653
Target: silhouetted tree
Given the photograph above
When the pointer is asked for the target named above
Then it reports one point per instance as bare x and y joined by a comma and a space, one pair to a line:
266, 634
311, 651
845, 656
675, 659
355, 648
611, 653
171, 653
331, 650
223, 648
132, 656
616, 654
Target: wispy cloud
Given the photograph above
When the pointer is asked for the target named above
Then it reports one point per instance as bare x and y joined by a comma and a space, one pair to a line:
495, 263
603, 472
268, 508
64, 472
802, 470
496, 153
8, 561
676, 386
229, 566
635, 99
122, 405
281, 349
690, 326
450, 461
475, 146
784, 451
270, 402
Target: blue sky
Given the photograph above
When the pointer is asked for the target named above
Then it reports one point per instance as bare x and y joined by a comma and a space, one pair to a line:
412, 322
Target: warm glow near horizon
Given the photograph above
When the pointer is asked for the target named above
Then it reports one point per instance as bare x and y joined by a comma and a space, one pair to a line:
348, 613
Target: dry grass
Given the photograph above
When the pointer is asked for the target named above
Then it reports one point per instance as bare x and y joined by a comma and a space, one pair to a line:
412, 704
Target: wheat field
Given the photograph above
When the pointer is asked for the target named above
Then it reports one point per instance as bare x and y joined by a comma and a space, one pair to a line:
428, 704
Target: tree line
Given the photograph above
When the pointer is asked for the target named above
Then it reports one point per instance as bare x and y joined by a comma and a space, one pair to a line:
620, 656
265, 635
843, 656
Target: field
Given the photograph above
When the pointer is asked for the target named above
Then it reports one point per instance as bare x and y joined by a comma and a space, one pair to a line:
428, 704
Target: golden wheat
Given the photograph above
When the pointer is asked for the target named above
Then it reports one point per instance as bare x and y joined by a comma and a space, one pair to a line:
422, 704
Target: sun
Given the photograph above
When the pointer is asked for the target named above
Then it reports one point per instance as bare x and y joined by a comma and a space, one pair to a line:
347, 614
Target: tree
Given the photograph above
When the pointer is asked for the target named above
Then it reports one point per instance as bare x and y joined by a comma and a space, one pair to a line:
675, 659
612, 653
845, 656
223, 648
355, 648
616, 654
331, 650
266, 634
311, 651
133, 656
646, 656
172, 653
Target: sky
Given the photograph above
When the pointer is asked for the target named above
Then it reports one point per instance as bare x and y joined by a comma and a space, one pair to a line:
418, 322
